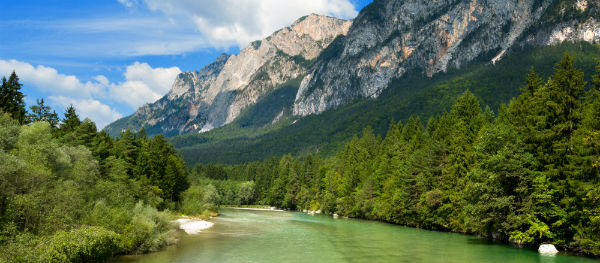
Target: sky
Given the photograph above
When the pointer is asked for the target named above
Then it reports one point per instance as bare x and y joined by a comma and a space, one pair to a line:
109, 57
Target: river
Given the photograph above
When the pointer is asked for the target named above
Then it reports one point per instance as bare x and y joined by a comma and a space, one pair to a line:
268, 236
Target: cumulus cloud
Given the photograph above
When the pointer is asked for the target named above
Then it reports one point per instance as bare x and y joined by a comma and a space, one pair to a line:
227, 22
48, 79
97, 111
142, 84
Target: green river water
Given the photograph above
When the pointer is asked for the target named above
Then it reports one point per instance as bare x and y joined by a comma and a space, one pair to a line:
271, 236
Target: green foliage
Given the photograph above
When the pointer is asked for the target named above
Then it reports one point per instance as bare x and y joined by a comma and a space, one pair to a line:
528, 176
158, 163
9, 131
147, 231
191, 203
77, 195
41, 112
11, 98
71, 120
325, 134
80, 245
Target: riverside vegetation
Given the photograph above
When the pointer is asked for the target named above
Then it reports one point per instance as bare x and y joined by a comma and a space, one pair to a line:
69, 193
527, 175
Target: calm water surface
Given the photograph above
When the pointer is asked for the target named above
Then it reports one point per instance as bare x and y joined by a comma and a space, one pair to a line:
267, 236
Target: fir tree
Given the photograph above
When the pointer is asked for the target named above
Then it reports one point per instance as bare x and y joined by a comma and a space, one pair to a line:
11, 98
71, 120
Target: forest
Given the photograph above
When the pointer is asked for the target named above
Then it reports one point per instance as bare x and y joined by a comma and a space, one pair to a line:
70, 193
528, 174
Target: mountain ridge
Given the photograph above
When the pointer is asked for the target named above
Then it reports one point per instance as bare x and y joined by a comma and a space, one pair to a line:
215, 95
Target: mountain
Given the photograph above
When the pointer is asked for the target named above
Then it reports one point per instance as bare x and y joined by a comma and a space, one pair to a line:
395, 59
389, 39
215, 95
250, 138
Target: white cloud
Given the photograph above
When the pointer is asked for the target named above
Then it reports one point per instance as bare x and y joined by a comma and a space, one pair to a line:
158, 27
142, 84
48, 79
227, 22
93, 109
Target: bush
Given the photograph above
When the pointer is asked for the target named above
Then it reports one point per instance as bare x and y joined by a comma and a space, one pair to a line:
81, 245
148, 230
18, 247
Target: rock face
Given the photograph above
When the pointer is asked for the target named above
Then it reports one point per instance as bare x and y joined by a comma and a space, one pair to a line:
390, 38
215, 95
340, 60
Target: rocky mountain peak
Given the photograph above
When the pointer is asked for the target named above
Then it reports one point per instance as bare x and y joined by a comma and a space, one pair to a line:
308, 35
216, 94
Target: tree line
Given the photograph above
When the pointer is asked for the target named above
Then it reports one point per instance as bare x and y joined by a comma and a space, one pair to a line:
527, 175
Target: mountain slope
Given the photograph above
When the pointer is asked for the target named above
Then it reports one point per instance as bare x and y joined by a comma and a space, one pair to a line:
391, 38
242, 140
215, 95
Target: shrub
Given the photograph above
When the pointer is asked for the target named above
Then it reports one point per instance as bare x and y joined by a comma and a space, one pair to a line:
81, 245
148, 230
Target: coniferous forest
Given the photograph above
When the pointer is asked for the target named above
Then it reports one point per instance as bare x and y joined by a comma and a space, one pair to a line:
528, 174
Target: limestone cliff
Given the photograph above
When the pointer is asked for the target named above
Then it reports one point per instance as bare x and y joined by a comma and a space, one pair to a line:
215, 95
390, 38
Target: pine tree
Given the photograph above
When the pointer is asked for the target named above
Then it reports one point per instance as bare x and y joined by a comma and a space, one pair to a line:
534, 82
466, 120
41, 112
11, 98
498, 183
71, 120
521, 112
127, 149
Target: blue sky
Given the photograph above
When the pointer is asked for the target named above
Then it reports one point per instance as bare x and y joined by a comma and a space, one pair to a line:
109, 57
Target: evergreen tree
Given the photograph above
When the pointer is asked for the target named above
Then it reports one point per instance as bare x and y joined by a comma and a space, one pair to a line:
41, 112
11, 98
466, 120
71, 120
534, 82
